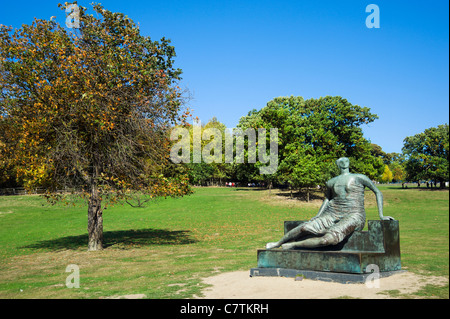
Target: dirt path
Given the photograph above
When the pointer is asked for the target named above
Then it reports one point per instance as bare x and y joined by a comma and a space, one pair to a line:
239, 285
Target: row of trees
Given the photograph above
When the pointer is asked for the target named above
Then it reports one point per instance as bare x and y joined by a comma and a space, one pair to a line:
312, 134
424, 158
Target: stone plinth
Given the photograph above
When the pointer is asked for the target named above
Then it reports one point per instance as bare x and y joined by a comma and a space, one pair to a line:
379, 246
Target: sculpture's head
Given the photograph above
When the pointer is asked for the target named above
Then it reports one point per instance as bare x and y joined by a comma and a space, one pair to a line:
343, 163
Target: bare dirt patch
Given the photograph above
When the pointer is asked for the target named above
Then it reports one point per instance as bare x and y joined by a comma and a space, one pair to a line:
239, 285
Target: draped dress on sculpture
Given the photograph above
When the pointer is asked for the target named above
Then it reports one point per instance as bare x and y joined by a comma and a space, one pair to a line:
343, 214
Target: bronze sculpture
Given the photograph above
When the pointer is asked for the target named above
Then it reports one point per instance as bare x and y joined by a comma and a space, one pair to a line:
341, 213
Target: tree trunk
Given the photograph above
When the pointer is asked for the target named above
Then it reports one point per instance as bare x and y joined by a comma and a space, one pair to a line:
95, 221
307, 194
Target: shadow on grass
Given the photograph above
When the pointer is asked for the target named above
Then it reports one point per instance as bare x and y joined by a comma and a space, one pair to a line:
250, 188
434, 189
302, 196
123, 238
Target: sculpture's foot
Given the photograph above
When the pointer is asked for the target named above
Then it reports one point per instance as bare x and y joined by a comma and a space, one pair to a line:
272, 245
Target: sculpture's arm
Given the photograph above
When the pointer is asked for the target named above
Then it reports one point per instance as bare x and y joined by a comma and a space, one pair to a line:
379, 196
324, 203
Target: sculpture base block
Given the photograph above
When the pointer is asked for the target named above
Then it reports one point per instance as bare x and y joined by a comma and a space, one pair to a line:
335, 261
343, 278
377, 249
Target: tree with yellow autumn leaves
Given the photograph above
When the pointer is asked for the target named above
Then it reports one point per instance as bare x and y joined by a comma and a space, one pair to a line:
89, 109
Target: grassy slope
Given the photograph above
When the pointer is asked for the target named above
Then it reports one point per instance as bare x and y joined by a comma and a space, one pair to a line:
165, 249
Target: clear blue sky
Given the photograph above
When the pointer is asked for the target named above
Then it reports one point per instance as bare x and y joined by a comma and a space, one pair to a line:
238, 55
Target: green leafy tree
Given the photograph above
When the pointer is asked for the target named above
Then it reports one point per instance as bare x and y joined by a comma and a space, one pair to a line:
268, 117
304, 171
313, 134
89, 109
200, 173
214, 170
427, 155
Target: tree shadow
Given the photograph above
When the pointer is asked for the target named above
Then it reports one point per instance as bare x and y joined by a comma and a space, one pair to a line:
434, 189
302, 195
123, 238
245, 189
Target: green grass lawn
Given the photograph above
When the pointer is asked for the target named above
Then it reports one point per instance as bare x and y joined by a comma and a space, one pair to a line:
165, 249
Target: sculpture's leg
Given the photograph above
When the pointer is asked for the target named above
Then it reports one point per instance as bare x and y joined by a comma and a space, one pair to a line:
290, 235
325, 240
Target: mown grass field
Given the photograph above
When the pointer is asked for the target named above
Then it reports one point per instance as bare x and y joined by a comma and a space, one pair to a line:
165, 249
